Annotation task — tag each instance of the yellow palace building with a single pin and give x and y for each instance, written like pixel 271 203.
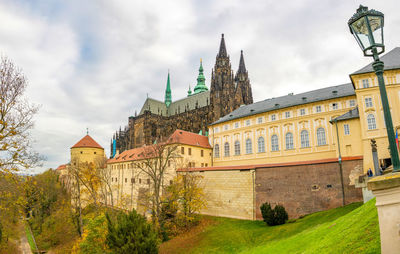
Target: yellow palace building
pixel 301 127
pixel 285 150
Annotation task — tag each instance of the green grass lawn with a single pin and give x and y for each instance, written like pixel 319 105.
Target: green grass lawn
pixel 29 237
pixel 350 229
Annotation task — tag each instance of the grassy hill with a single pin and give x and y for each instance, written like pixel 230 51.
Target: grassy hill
pixel 350 229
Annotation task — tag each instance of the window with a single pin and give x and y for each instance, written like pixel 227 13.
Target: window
pixel 287 114
pixel 148 181
pixel 289 141
pixel 226 127
pixel 273 117
pixel 216 130
pixel 335 106
pixel 321 139
pixel 236 125
pixel 132 180
pixel 206 164
pixel 201 153
pixel 126 180
pixel 237 147
pixel 304 138
pixel 94 152
pixel 248 122
pixel 81 152
pixel 216 151
pixel 352 103
pixel 261 145
pixel 371 122
pixel 368 102
pixel 259 120
pixel 365 83
pixel 302 112
pixel 249 148
pixel 169 163
pixel 190 151
pixel 202 164
pixel 226 149
pixel 182 150
pixel 274 143
pixel 318 109
pixel 112 179
pixel 346 129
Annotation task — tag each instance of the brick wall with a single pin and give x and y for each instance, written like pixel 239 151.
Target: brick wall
pixel 229 193
pixel 304 189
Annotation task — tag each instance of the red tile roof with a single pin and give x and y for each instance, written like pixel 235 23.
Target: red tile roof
pixel 188 138
pixel 87 141
pixel 178 137
pixel 270 165
pixel 63 166
pixel 132 154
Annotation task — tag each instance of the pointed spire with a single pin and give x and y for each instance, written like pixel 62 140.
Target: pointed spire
pixel 168 99
pixel 242 66
pixel 201 85
pixel 189 91
pixel 222 48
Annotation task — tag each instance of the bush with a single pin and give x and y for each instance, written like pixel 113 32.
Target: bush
pixel 276 216
pixel 131 233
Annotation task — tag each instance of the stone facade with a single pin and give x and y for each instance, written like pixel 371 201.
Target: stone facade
pixel 157 120
pixel 229 193
pixel 306 188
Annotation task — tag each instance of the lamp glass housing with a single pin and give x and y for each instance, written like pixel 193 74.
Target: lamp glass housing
pixel 367 27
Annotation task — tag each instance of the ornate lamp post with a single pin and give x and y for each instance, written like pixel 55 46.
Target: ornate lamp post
pixel 367 27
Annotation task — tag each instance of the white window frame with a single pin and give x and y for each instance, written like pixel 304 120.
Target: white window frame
pixel 305 139
pixel 261 144
pixel 321 136
pixel 249 146
pixel 371 122
pixel 274 143
pixel 368 102
pixel 237 147
pixel 318 109
pixel 346 129
pixel 302 111
pixel 289 141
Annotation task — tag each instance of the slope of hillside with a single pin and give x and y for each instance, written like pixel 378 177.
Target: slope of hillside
pixel 350 229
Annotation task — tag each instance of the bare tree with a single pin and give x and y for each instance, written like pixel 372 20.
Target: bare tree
pixel 157 159
pixel 16 120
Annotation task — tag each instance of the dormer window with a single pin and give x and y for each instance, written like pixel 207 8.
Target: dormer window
pixel 365 83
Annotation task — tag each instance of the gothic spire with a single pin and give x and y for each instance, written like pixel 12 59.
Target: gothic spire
pixel 222 48
pixel 242 66
pixel 168 98
pixel 201 85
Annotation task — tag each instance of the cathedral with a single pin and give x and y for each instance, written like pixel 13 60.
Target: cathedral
pixel 159 119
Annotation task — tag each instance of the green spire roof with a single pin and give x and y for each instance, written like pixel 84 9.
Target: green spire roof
pixel 168 98
pixel 189 91
pixel 201 85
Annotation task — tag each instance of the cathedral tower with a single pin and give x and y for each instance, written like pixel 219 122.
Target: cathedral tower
pixel 222 84
pixel 243 94
pixel 228 93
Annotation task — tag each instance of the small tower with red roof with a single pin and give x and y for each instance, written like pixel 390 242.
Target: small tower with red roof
pixel 87 150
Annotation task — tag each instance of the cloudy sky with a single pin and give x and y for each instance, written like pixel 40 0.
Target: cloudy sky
pixel 91 63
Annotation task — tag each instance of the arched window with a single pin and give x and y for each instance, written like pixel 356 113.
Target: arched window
pixel 249 148
pixel 321 138
pixel 274 143
pixel 304 138
pixel 289 141
pixel 237 147
pixel 261 145
pixel 216 151
pixel 371 122
pixel 226 149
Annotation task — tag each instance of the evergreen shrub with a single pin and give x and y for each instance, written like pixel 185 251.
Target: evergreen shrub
pixel 276 216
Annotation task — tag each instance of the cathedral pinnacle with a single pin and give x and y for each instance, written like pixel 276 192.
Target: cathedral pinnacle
pixel 189 91
pixel 201 85
pixel 222 48
pixel 242 66
pixel 168 99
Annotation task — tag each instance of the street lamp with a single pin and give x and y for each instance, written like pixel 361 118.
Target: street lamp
pixel 367 27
